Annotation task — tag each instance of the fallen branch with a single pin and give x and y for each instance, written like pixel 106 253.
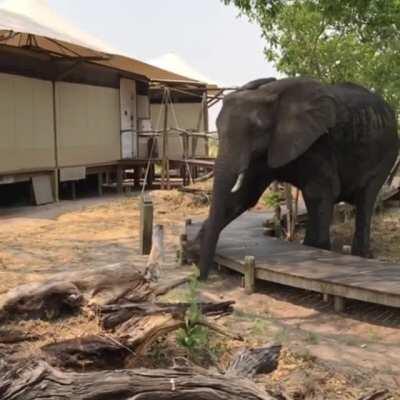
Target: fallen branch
pixel 221 331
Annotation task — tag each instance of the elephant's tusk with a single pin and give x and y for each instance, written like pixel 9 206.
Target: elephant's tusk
pixel 238 183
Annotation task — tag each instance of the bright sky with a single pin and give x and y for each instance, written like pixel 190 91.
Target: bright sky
pixel 207 34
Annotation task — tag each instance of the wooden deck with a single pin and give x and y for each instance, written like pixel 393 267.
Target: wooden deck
pixel 291 264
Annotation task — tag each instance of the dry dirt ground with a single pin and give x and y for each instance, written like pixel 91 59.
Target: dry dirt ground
pixel 325 354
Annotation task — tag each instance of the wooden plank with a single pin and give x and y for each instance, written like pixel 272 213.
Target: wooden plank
pixel 42 189
pixel 305 267
pixel 72 174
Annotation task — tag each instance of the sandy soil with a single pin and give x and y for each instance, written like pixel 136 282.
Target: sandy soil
pixel 326 355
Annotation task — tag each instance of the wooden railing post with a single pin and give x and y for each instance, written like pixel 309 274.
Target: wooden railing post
pixel 146 224
pixel 249 274
pixel 182 256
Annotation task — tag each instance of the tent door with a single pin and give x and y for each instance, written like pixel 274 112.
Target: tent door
pixel 129 139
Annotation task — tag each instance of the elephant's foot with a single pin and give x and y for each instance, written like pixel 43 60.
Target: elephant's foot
pixel 326 245
pixel 362 252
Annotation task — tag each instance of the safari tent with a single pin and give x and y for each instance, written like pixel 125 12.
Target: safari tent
pixel 71 106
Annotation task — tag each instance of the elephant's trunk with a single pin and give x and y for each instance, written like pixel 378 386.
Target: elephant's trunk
pixel 222 212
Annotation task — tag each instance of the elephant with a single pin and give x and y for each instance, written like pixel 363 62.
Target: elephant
pixel 334 142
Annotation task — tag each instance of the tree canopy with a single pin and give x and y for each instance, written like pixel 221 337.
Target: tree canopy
pixel 333 40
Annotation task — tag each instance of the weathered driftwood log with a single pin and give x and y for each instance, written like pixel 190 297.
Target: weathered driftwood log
pixel 66 292
pixel 41 381
pixel 48 300
pixel 250 362
pixel 89 352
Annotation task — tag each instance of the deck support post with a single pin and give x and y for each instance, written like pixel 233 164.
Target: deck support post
pixel 338 303
pixel 326 297
pixel 137 176
pixel 249 274
pixel 182 255
pixel 120 179
pixel 146 224
pixel 73 190
pixel 100 184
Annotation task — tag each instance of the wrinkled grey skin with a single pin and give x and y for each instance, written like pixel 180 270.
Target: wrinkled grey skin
pixel 334 142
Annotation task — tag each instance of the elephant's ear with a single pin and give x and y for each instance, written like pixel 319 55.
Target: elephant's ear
pixel 306 111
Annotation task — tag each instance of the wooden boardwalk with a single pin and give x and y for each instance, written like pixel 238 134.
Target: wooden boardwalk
pixel 291 264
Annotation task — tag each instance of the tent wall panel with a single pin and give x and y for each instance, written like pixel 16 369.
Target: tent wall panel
pixel 88 124
pixel 26 124
pixel 180 115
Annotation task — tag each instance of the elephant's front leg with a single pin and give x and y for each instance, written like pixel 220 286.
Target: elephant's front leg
pixel 319 209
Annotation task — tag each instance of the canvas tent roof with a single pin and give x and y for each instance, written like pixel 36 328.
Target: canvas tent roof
pixel 175 63
pixel 32 24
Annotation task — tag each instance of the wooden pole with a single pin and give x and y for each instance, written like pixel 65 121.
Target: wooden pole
pixel 100 184
pixel 296 211
pixel 277 213
pixel 289 213
pixel 338 303
pixel 146 224
pixel 137 174
pixel 165 161
pixel 249 274
pixel 205 122
pixel 56 184
pixel 73 190
pixel 165 141
pixel 120 179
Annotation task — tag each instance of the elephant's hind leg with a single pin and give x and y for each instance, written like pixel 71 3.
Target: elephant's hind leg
pixel 365 204
pixel 319 209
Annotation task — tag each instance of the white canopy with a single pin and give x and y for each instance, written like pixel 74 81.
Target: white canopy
pixel 36 17
pixel 32 23
pixel 175 63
